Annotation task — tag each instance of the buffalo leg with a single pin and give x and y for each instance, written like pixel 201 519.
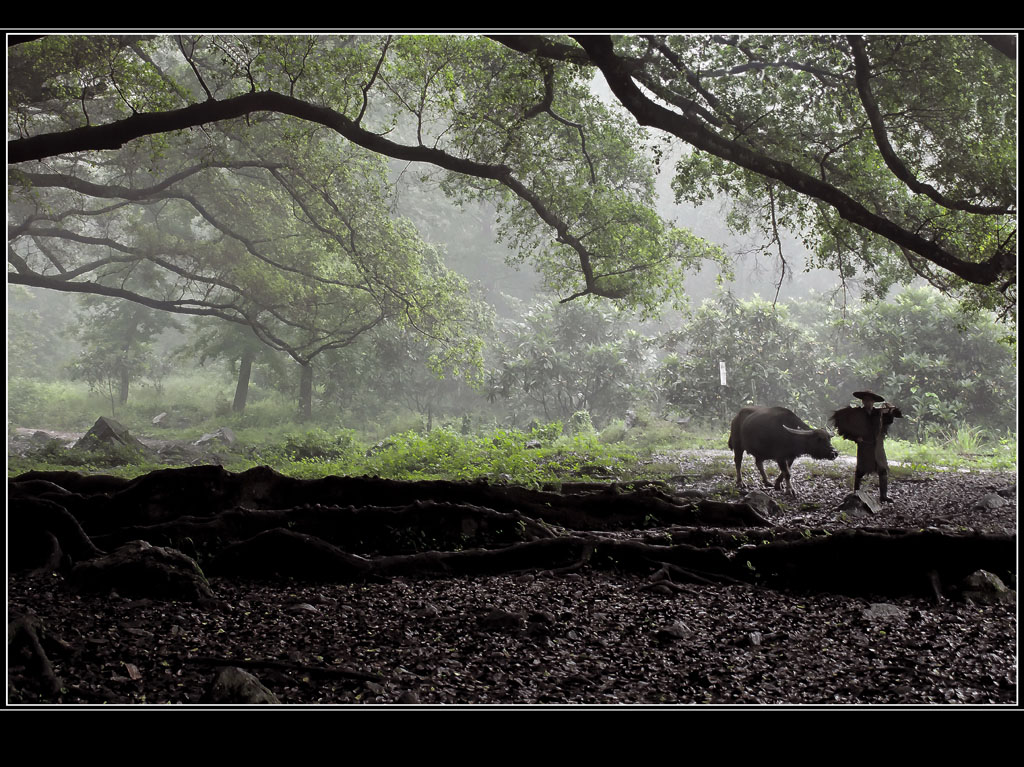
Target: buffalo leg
pixel 883 487
pixel 738 455
pixel 784 475
pixel 759 462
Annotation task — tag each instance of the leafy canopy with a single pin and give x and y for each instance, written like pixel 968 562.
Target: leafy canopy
pixel 574 193
pixel 894 155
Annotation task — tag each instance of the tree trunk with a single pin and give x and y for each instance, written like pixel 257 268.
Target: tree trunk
pixel 125 381
pixel 242 388
pixel 306 392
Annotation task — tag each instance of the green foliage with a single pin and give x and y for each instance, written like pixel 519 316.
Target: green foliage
pixel 287 225
pixel 770 360
pixel 38 344
pixel 906 457
pixel 528 457
pixel 318 444
pixel 528 135
pixel 117 341
pixel 568 358
pixel 966 439
pixel 943 369
pixel 271 225
pixel 35 404
pixel 575 161
pixel 946 105
pixel 85 459
pixel 656 434
pixel 580 424
pixel 614 432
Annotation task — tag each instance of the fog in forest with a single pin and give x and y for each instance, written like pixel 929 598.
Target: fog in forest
pixel 773 330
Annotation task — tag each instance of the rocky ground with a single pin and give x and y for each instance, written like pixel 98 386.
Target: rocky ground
pixel 580 638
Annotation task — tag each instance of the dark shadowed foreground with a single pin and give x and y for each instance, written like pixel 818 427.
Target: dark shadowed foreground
pixel 362 591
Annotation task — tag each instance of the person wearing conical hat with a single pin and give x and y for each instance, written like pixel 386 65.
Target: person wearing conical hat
pixel 867 426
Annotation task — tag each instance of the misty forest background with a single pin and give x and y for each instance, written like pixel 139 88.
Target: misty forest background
pixel 494 353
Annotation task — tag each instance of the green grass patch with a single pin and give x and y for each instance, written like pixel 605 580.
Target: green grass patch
pixel 976 451
pixel 268 435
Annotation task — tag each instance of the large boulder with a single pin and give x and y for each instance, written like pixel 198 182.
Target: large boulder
pixel 138 569
pixel 107 431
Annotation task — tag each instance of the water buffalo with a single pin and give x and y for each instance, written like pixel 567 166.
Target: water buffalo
pixel 775 433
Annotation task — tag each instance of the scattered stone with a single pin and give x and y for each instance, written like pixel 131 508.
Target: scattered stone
pixel 223 434
pixel 541 616
pixel 983 587
pixel 991 501
pixel 762 503
pixel 676 631
pixel 539 623
pixel 496 619
pixel 234 685
pixel 158 420
pixel 576 680
pixel 1010 491
pixel 427 611
pixel 859 504
pixel 882 611
pixel 302 607
pixel 409 697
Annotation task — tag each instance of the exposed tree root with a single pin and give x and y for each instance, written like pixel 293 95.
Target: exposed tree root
pixel 259 523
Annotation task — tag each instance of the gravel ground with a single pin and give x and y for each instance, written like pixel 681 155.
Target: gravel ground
pixel 586 638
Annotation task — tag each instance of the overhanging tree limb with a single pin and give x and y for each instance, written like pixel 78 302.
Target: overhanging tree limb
pixel 617 72
pixel 1005 44
pixel 116 134
pixel 885 148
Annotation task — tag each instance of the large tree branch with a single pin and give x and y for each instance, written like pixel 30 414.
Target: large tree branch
pixel 230 312
pixel 1005 44
pixel 116 134
pixel 163 191
pixel 892 160
pixel 617 73
pixel 198 308
pixel 126 193
pixel 191 278
pixel 543 47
